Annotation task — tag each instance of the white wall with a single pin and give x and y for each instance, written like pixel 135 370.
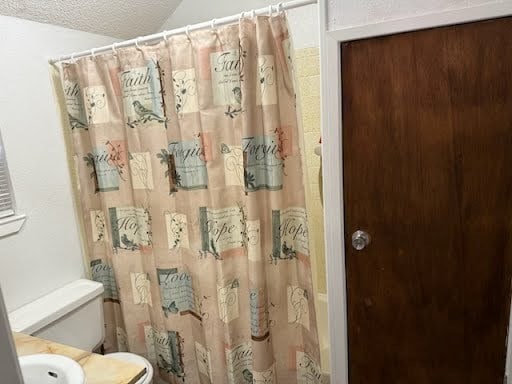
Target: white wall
pixel 350 13
pixel 46 254
pixel 303 21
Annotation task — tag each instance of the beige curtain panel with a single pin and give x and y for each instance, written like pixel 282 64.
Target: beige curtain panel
pixel 192 196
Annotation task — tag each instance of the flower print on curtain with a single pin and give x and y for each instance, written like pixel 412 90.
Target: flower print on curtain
pixel 193 203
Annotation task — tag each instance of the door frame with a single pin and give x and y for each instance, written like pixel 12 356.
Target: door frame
pixel 9 365
pixel 331 125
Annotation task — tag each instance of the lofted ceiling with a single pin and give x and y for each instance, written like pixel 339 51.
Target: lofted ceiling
pixel 122 19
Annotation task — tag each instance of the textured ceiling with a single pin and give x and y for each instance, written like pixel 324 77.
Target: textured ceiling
pixel 116 18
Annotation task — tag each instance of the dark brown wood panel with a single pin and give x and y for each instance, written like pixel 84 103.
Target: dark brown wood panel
pixel 427 151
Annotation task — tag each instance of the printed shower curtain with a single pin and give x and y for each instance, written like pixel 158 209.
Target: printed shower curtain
pixel 192 199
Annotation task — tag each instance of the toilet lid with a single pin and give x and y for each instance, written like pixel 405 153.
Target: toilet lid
pixel 136 359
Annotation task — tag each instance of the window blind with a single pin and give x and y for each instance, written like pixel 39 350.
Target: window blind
pixel 6 197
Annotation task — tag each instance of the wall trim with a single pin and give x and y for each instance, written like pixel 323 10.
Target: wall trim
pixel 431 20
pixel 331 126
pixel 330 91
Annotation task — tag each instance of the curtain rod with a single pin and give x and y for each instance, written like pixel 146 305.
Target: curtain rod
pixel 163 35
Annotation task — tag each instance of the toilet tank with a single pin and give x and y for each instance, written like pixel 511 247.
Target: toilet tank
pixel 71 315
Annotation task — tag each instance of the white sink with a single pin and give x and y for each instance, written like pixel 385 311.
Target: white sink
pixel 50 369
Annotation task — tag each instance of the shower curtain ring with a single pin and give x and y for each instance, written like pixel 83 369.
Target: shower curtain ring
pixel 253 14
pixel 93 53
pixel 137 43
pixel 165 35
pixel 213 27
pixel 280 8
pixel 114 50
pixel 187 31
pixel 270 10
pixel 242 14
pixel 72 58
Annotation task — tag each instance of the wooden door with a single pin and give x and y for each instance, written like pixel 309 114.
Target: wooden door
pixel 427 152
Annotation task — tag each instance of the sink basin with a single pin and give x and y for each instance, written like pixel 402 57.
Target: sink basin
pixel 50 369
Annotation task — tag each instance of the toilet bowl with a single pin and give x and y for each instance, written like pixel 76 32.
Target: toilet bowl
pixel 72 315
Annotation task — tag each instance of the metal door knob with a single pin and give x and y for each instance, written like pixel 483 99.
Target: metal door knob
pixel 360 239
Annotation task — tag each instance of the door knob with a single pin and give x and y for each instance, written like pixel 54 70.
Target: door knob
pixel 360 239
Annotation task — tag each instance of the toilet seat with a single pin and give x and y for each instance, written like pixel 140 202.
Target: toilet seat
pixel 136 359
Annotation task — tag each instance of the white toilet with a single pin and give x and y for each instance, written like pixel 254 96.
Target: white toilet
pixel 72 315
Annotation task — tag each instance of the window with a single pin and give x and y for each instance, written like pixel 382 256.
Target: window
pixel 10 222
pixel 6 195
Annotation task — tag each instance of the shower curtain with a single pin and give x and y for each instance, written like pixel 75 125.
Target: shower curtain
pixel 192 201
